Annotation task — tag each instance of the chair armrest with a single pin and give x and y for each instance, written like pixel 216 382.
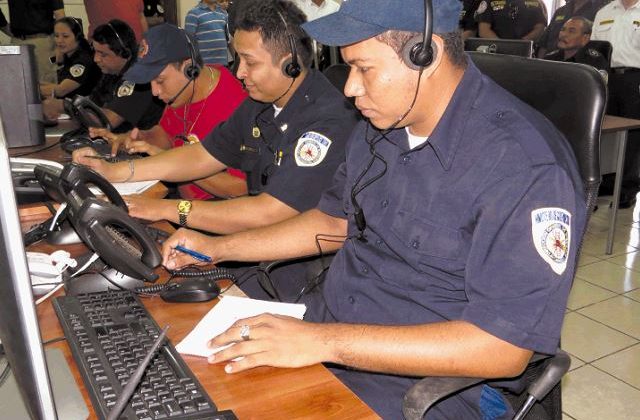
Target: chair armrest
pixel 421 396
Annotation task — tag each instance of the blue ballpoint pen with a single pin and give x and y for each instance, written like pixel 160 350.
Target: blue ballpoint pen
pixel 198 256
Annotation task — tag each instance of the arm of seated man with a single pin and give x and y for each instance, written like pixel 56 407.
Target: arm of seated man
pixel 224 185
pixel 224 216
pixel 166 166
pixel 297 236
pixel 452 348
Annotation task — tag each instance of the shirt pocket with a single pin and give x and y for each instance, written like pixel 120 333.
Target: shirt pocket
pixel 424 241
pixel 635 37
pixel 602 29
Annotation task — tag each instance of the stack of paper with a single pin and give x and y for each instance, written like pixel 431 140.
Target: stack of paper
pixel 224 314
pixel 128 188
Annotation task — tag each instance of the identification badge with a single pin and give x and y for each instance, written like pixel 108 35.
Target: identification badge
pixel 551 233
pixel 311 149
pixel 77 70
pixel 255 132
pixel 126 89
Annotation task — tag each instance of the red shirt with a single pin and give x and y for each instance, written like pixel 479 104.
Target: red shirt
pixel 100 12
pixel 205 115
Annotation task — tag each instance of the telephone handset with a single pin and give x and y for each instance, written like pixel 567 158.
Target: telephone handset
pixel 88 114
pixel 119 240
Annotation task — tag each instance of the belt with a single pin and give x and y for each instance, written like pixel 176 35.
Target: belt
pixel 30 36
pixel 623 70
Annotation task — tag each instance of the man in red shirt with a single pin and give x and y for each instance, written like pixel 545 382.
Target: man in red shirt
pixel 130 11
pixel 198 98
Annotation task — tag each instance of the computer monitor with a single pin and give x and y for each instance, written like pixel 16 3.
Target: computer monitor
pixel 20 105
pixel 517 47
pixel 19 331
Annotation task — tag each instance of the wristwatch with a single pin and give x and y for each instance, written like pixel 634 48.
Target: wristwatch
pixel 184 207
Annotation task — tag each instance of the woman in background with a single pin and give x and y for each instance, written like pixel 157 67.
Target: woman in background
pixel 77 73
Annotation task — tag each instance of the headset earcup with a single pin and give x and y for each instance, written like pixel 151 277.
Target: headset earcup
pixel 192 71
pixel 414 57
pixel 291 69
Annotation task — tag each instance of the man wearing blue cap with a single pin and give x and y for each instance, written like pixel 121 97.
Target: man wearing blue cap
pixel 460 209
pixel 198 98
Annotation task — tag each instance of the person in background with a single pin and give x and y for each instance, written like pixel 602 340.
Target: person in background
pixel 131 12
pixel 314 9
pixel 511 19
pixel 4 25
pixel 77 73
pixel 548 41
pixel 125 104
pixel 574 36
pixel 154 12
pixel 207 21
pixel 195 106
pixel 456 217
pixel 469 18
pixel 31 23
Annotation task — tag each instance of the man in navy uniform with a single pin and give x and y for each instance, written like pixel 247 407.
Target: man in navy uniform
pixel 460 209
pixel 511 19
pixel 572 45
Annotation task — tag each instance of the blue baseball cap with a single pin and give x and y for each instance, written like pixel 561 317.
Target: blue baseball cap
pixel 161 45
pixel 357 20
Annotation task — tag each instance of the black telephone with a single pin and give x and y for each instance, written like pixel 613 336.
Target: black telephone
pixel 126 249
pixel 88 114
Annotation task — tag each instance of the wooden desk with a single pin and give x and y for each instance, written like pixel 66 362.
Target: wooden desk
pixel 619 127
pixel 262 393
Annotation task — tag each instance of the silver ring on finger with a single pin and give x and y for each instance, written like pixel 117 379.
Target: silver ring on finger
pixel 245 332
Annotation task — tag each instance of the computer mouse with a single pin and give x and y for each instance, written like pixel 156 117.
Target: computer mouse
pixel 191 290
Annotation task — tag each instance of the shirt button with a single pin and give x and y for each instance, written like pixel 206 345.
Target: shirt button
pixel 406 158
pixel 365 270
pixel 384 203
pixel 499 114
pixel 379 242
pixel 352 300
pixel 415 244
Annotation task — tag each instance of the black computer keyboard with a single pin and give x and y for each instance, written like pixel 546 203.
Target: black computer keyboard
pixel 110 333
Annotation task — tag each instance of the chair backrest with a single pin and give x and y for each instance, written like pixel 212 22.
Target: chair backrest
pixel 338 74
pixel 572 96
pixel 603 47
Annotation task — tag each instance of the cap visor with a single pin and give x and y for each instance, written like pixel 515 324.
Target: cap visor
pixel 143 73
pixel 338 29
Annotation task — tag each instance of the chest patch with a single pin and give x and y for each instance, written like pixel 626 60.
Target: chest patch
pixel 126 89
pixel 77 70
pixel 551 234
pixel 311 149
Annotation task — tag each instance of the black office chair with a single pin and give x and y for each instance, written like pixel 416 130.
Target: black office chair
pixel 573 97
pixel 338 75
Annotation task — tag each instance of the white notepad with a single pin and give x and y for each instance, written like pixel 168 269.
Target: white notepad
pixel 128 188
pixel 224 314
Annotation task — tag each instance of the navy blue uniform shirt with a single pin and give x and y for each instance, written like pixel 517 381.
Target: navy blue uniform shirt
pixel 135 103
pixel 293 156
pixel 80 68
pixel 477 224
pixel 511 19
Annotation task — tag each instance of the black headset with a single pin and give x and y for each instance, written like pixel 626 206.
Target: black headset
pixel 192 71
pixel 419 53
pixel 126 52
pixel 291 67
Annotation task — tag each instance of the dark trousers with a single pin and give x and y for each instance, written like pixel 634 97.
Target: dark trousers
pixel 624 101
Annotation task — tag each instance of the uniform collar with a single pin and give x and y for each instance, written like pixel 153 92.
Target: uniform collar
pixel 447 134
pixel 301 97
pixel 617 4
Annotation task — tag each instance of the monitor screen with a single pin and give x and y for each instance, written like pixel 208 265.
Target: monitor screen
pixel 20 107
pixel 19 331
pixel 517 47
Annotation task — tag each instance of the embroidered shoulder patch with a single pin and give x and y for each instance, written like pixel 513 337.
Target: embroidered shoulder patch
pixel 551 233
pixel 77 70
pixel 311 149
pixel 126 88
